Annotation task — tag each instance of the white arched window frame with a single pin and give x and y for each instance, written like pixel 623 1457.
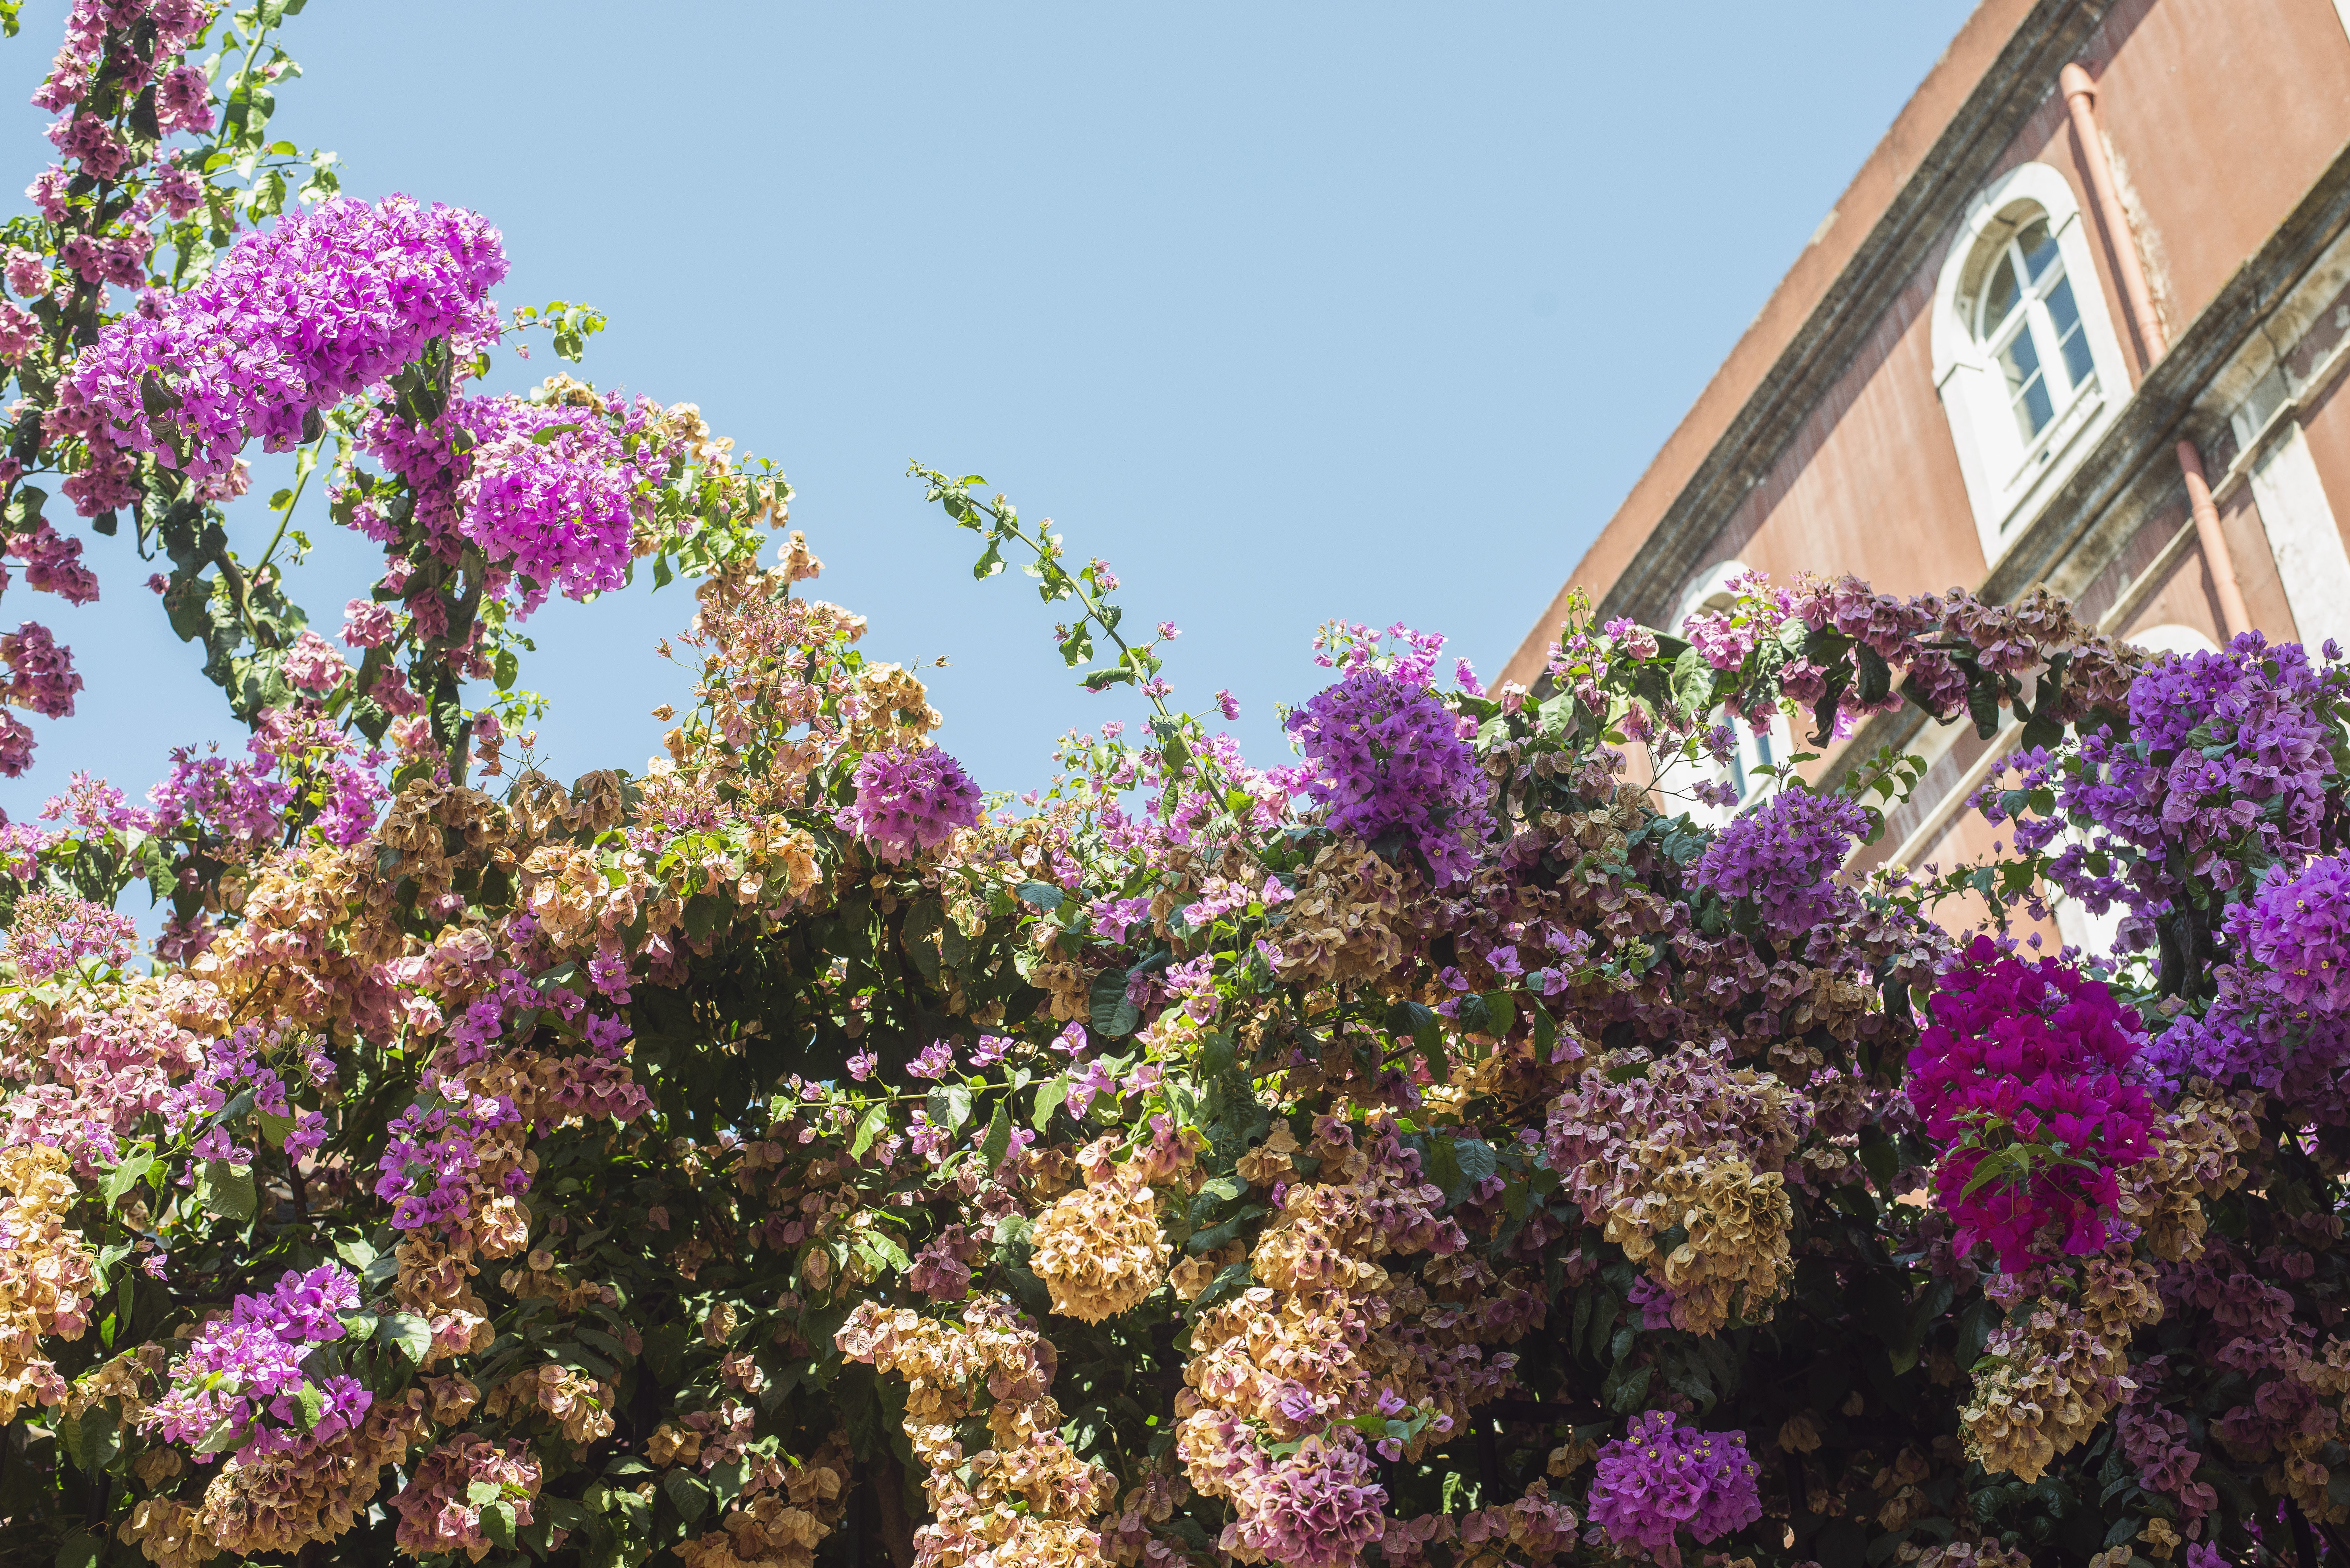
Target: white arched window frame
pixel 1772 744
pixel 2080 929
pixel 2026 388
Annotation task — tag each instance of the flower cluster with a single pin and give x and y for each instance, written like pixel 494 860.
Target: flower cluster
pixel 243 1383
pixel 2223 773
pixel 1098 1249
pixel 2059 1364
pixel 1782 858
pixel 1026 1499
pixel 1662 1477
pixel 1385 755
pixel 909 800
pixel 325 305
pixel 440 1507
pixel 48 932
pixel 45 1275
pixel 1691 1145
pixel 2019 1082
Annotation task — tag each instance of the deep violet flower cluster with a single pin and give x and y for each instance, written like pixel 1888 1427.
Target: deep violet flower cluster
pixel 2024 1063
pixel 1385 755
pixel 909 799
pixel 2225 762
pixel 290 323
pixel 1662 1477
pixel 2282 1014
pixel 242 1381
pixel 1783 855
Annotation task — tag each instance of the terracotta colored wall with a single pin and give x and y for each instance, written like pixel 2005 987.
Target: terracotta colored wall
pixel 2185 598
pixel 2326 427
pixel 1879 180
pixel 2189 89
pixel 2220 113
pixel 1871 484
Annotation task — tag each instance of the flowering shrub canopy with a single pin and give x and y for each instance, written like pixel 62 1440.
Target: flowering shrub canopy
pixel 1444 1148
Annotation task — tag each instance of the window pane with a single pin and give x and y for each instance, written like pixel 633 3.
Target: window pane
pixel 2026 386
pixel 2038 245
pixel 2020 360
pixel 1999 298
pixel 2066 315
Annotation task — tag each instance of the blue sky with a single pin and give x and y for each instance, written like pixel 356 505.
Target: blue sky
pixel 1290 312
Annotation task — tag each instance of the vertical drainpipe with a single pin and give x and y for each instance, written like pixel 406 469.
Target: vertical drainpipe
pixel 2080 96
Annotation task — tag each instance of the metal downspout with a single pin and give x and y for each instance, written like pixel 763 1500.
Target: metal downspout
pixel 2080 98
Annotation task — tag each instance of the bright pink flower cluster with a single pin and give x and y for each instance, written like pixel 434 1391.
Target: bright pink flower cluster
pixel 242 1384
pixel 1660 1478
pixel 909 799
pixel 2022 1065
pixel 40 672
pixel 289 323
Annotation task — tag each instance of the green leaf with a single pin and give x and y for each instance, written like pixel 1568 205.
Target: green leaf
pixel 79 1549
pixel 126 1176
pixel 1112 1013
pixel 1476 1157
pixel 1418 1022
pixel 408 1334
pixel 226 1191
pixel 1232 1279
pixel 498 1521
pixel 703 913
pixel 687 1492
pixel 1692 685
pixel 1545 1031
pixel 504 668
pixel 92 1440
pixel 313 1406
pixel 950 1106
pixel 998 1141
pixel 868 1128
pixel 1049 1096
pixel 1501 1013
pixel 1044 895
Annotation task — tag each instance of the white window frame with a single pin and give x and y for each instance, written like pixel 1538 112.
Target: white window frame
pixel 1775 744
pixel 2009 479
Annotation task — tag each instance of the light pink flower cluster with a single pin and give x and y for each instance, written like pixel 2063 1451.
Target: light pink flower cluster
pixel 1694 1143
pixel 1326 1338
pixel 993 1354
pixel 50 932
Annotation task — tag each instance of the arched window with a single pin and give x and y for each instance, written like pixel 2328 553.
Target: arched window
pixel 2030 324
pixel 2025 356
pixel 1767 747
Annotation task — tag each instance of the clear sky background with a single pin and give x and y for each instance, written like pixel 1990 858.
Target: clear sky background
pixel 1290 312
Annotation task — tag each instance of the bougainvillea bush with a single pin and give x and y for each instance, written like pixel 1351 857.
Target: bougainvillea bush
pixel 1462 1140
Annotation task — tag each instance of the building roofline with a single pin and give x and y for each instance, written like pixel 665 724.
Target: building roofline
pixel 1948 139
